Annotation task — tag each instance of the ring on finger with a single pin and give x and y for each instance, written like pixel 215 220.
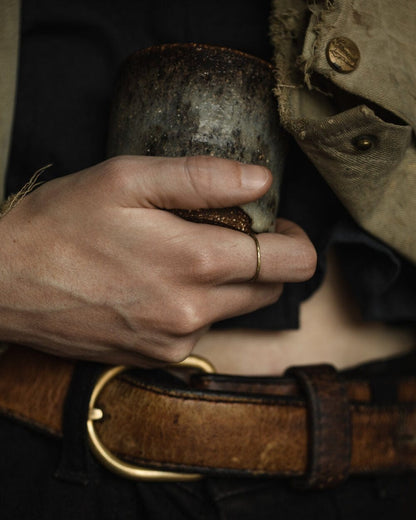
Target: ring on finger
pixel 258 252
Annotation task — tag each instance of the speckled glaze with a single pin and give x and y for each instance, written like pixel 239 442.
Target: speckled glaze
pixel 190 99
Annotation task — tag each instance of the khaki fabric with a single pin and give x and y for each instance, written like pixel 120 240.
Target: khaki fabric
pixel 9 41
pixel 326 111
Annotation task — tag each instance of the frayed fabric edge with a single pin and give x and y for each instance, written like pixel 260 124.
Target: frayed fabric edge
pixel 12 200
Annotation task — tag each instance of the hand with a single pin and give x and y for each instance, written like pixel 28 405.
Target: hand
pixel 92 268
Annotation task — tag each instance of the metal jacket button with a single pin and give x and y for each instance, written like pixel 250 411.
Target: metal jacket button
pixel 364 142
pixel 342 54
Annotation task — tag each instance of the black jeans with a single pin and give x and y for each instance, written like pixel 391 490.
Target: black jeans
pixel 42 477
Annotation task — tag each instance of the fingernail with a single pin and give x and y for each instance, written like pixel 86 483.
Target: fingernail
pixel 253 177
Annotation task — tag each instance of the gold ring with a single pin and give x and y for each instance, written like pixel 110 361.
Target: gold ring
pixel 258 266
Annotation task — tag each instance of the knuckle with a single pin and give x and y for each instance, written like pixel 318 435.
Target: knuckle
pixel 117 173
pixel 175 353
pixel 193 163
pixel 204 265
pixel 194 167
pixel 202 172
pixel 188 319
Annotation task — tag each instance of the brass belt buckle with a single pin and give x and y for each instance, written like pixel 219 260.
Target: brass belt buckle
pixel 112 462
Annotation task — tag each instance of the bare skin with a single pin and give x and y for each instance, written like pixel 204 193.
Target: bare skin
pixel 331 331
pixel 93 269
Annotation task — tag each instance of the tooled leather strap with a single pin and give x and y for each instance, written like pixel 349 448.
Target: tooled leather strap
pixel 216 432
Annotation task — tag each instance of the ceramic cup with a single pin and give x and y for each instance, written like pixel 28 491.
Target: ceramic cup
pixel 190 99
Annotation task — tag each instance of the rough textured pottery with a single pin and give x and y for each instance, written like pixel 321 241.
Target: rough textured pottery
pixel 190 99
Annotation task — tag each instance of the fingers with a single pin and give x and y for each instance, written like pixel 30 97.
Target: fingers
pixel 191 318
pixel 186 182
pixel 287 255
pixel 236 299
pixel 224 256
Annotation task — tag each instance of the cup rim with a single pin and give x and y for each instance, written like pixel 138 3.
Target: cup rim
pixel 161 48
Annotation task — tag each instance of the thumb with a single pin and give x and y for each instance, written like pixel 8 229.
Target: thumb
pixel 195 182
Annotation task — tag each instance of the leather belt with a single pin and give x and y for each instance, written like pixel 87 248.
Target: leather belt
pixel 313 425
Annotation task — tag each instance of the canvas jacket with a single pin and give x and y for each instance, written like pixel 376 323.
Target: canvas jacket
pixel 9 41
pixel 346 82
